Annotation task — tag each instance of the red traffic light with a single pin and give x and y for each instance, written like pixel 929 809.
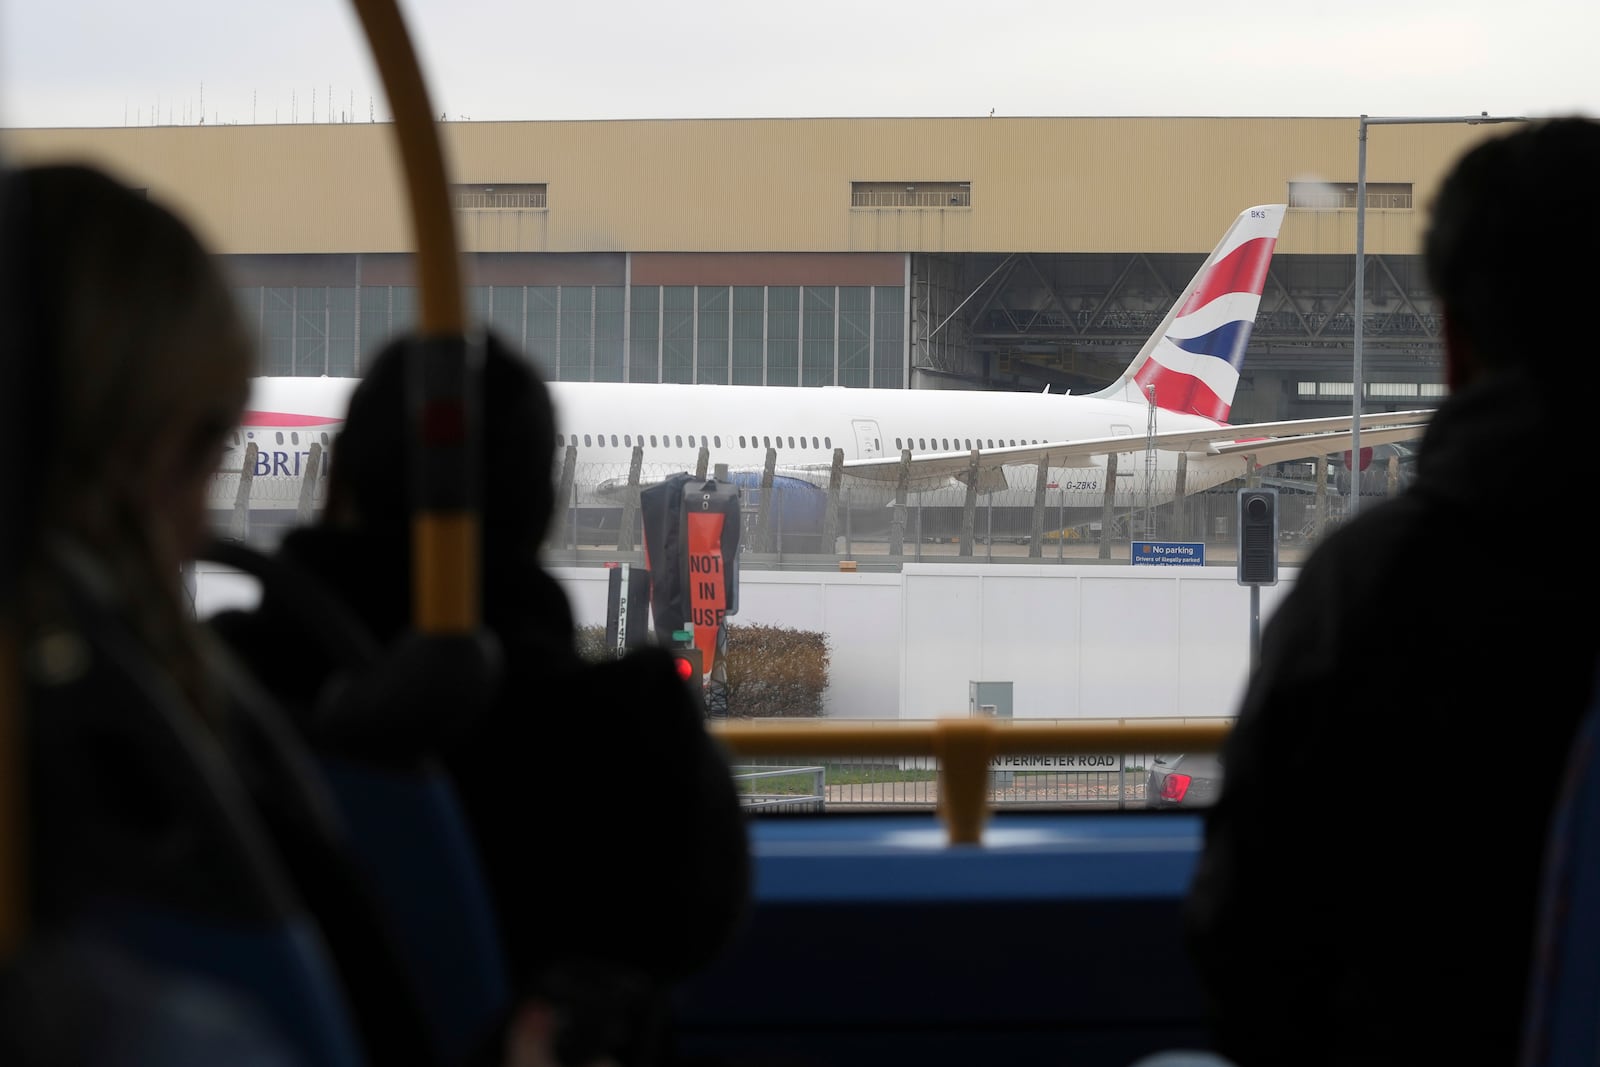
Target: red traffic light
pixel 687 661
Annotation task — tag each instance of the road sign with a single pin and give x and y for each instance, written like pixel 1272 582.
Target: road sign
pixel 1168 553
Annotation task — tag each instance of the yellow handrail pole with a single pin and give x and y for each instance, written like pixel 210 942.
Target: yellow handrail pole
pixel 964 748
pixel 444 543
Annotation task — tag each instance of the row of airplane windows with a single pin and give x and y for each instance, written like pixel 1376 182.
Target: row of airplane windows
pixel 677 441
pixel 920 444
pixel 294 438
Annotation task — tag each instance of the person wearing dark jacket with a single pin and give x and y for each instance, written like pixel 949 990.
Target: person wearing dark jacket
pixel 1367 891
pixel 154 782
pixel 606 889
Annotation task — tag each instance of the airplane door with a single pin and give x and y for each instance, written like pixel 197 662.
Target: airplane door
pixel 869 442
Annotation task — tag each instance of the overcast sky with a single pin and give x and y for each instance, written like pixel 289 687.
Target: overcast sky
pixel 132 62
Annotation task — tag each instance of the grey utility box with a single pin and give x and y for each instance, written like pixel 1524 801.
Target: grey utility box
pixel 989 698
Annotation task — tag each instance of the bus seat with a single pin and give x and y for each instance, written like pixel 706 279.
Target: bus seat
pixel 281 965
pixel 412 841
pixel 407 829
pixel 74 998
pixel 146 840
pixel 1563 1022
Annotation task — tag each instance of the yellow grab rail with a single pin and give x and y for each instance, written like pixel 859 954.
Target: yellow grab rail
pixel 445 577
pixel 442 313
pixel 964 748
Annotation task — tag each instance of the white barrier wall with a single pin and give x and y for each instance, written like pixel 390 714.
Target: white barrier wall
pixel 1078 642
pixel 1075 641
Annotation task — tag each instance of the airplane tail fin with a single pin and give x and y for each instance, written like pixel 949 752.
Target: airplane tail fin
pixel 1193 358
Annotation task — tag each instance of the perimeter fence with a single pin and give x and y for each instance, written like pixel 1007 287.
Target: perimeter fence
pixel 800 784
pixel 794 513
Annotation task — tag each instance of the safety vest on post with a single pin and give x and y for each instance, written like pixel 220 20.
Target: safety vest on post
pixel 692 544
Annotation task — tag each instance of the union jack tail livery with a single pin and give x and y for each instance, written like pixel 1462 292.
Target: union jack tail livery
pixel 1193 358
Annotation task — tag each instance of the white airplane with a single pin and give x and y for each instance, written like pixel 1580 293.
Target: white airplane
pixel 1187 371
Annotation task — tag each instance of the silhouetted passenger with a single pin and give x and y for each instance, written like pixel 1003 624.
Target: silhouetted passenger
pixel 605 815
pixel 154 782
pixel 1368 887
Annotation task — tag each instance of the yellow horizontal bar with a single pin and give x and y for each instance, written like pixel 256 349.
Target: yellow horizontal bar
pixel 1009 738
pixel 964 746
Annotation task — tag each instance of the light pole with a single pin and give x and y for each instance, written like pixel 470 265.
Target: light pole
pixel 1357 387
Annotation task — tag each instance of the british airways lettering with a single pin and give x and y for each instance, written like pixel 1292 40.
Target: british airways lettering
pixel 284 464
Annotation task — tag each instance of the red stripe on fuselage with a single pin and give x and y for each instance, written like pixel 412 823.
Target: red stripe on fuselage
pixel 1244 270
pixel 280 418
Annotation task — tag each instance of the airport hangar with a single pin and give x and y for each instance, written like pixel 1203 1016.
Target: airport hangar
pixel 1007 253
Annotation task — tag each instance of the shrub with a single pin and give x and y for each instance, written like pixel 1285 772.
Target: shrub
pixel 774 670
pixel 771 670
pixel 591 643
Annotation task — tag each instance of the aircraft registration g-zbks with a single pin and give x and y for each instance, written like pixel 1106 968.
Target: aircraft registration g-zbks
pixel 1188 371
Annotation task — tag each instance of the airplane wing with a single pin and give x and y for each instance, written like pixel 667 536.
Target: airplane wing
pixel 1269 442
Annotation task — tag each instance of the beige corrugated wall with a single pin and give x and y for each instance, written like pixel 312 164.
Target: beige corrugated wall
pixel 776 185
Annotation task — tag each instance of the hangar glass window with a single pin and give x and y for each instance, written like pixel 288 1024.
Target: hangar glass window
pixel 748 320
pixel 855 335
pixel 543 326
pixel 644 356
pixel 677 333
pixel 888 336
pixel 711 335
pixel 816 352
pixel 576 323
pixel 608 318
pixel 783 335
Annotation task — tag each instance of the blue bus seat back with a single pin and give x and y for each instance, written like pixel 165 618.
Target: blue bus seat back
pixel 405 822
pixel 1563 1021
pixel 282 966
pixel 413 843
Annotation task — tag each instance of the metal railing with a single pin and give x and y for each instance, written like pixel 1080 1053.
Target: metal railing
pixel 965 750
pixel 508 199
pixel 810 796
pixel 1344 199
pixel 914 198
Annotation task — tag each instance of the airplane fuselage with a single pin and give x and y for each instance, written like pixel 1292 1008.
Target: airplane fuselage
pixel 737 424
pixel 604 422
